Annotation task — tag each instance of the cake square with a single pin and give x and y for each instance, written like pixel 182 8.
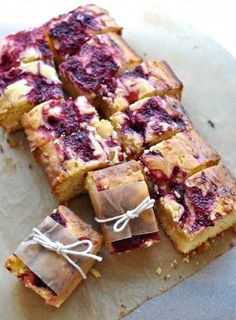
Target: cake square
pixel 48 274
pixel 149 121
pixel 68 32
pixel 114 191
pixel 150 78
pixel 24 46
pixel 54 118
pixel 172 161
pixel 24 87
pixel 67 159
pixel 99 60
pixel 199 208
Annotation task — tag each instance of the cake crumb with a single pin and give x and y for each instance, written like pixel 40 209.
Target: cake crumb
pixel 167 277
pixel 186 259
pixel 174 264
pixel 162 289
pixel 211 123
pixel 12 143
pixel 203 248
pixel 95 273
pixel 30 166
pixel 158 271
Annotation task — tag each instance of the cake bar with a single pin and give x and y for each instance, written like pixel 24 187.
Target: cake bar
pixel 68 32
pixel 150 78
pixel 115 190
pixel 99 60
pixel 24 87
pixel 172 161
pixel 24 46
pixel 54 118
pixel 199 208
pixel 48 273
pixel 149 121
pixel 67 159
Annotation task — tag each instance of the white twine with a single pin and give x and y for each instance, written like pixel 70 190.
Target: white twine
pixel 123 219
pixel 64 250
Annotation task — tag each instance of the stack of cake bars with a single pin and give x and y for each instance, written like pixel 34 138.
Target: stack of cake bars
pixel 119 108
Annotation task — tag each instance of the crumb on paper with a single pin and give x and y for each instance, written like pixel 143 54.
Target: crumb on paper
pixel 167 277
pixel 186 259
pixel 180 277
pixel 203 248
pixel 30 166
pixel 122 313
pixel 174 264
pixel 158 271
pixel 95 273
pixel 12 143
pixel 162 289
pixel 123 306
pixel 211 123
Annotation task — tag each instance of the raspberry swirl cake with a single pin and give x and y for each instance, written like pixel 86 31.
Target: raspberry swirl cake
pixel 67 159
pixel 54 118
pixel 99 60
pixel 114 191
pixel 172 161
pixel 150 78
pixel 79 230
pixel 24 46
pixel 24 87
pixel 149 121
pixel 68 32
pixel 199 208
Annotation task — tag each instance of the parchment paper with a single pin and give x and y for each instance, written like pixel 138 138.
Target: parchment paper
pixel 209 76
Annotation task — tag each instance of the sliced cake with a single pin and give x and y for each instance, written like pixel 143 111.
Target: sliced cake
pixel 68 32
pixel 114 191
pixel 172 161
pixel 149 121
pixel 24 87
pixel 150 78
pixel 99 60
pixel 67 159
pixel 48 274
pixel 199 208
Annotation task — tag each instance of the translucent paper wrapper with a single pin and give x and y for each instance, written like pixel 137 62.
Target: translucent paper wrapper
pixel 52 268
pixel 118 200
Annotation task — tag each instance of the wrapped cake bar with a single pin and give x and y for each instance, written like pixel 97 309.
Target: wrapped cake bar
pixel 199 208
pixel 67 159
pixel 24 46
pixel 54 118
pixel 150 78
pixel 149 121
pixel 116 193
pixel 68 32
pixel 172 161
pixel 24 87
pixel 48 272
pixel 99 60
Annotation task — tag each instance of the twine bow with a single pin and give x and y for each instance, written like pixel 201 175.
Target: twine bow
pixel 65 250
pixel 123 219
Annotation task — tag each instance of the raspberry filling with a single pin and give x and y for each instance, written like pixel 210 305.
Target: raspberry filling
pixel 69 37
pixel 56 216
pixel 69 119
pixel 79 142
pixel 134 242
pixel 20 42
pixel 42 89
pixel 152 110
pixel 98 70
pixel 201 204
